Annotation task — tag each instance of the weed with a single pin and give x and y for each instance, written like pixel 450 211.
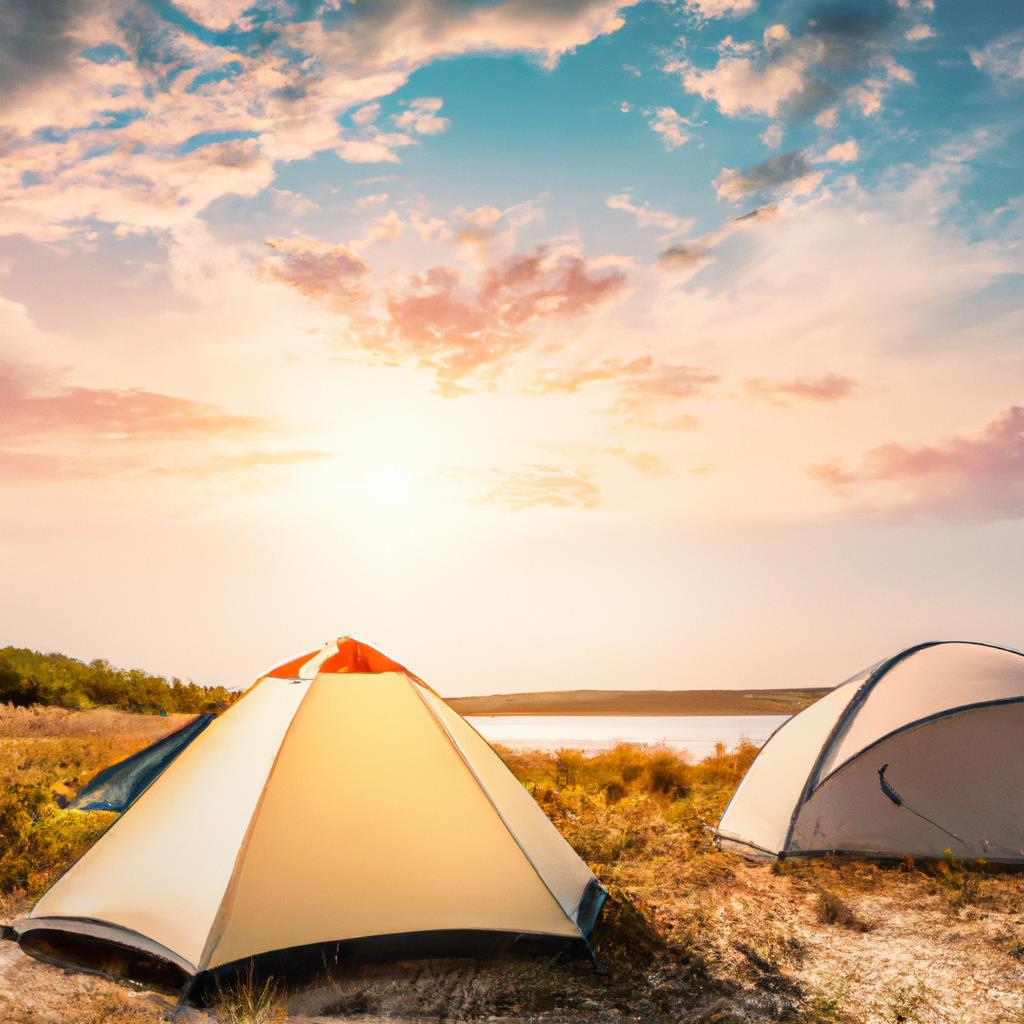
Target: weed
pixel 827 1007
pixel 962 879
pixel 249 1001
pixel 833 909
pixel 906 1003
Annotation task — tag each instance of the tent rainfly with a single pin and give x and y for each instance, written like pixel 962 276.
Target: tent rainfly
pixel 339 800
pixel 919 754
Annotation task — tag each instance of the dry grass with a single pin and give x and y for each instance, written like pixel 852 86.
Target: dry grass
pixel 689 934
pixel 833 909
pixel 250 1000
pixel 46 753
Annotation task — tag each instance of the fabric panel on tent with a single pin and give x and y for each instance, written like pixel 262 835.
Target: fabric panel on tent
pixel 760 810
pixel 964 771
pixel 104 932
pixel 162 868
pixel 558 864
pixel 117 787
pixel 927 682
pixel 411 842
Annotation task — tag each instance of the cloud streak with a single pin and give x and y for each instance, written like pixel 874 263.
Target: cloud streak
pixel 828 388
pixel 533 486
pixel 111 413
pixel 789 174
pixel 960 478
pixel 647 392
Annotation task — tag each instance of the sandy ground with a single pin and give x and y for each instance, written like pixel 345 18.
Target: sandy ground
pixel 922 959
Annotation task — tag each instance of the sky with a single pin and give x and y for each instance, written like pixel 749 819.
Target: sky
pixel 541 343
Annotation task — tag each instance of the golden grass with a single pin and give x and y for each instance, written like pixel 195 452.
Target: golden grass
pixel 44 753
pixel 687 929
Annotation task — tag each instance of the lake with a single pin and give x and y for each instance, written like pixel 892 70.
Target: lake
pixel 694 733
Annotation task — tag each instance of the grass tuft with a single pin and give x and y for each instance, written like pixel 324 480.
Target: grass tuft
pixel 250 1000
pixel 831 908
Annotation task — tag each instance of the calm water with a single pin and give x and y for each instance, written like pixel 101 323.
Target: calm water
pixel 695 733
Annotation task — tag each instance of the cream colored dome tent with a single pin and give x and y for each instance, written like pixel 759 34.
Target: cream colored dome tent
pixel 340 800
pixel 920 754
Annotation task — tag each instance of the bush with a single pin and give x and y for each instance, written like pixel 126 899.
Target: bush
pixel 668 774
pixel 39 840
pixel 569 767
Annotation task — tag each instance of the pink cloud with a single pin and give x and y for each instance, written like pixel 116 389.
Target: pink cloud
pixel 645 389
pixel 119 413
pixel 439 319
pixel 18 467
pixel 318 271
pixel 828 388
pixel 570 381
pixel 456 328
pixel 975 478
pixel 643 398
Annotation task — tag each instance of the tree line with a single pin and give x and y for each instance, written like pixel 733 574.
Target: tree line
pixel 31 677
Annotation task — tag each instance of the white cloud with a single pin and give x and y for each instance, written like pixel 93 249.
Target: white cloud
pixel 843 152
pixel 743 85
pixel 669 124
pixel 645 216
pixel 422 117
pixel 788 174
pixel 721 8
pixel 1003 58
pixel 772 136
pixel 288 96
pixel 827 118
pixel 917 33
pixel 790 75
pixel 215 14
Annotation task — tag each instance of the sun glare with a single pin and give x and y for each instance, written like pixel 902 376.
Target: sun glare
pixel 390 487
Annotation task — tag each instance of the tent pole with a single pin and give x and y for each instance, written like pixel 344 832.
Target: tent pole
pixel 599 968
pixel 183 999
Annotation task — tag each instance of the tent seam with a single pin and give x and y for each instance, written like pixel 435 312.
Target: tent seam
pixel 216 931
pixel 881 670
pixel 483 789
pixel 117 821
pixel 936 716
pixel 846 716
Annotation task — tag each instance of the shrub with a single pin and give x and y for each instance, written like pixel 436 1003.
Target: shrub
pixel 727 767
pixel 615 790
pixel 668 774
pixel 569 767
pixel 39 840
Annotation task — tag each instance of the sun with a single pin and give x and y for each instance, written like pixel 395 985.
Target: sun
pixel 390 487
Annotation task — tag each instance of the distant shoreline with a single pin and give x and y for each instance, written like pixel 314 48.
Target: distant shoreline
pixel 640 702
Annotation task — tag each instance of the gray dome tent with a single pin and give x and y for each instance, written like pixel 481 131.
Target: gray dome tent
pixel 917 755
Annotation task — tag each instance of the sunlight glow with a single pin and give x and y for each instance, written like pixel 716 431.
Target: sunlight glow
pixel 391 487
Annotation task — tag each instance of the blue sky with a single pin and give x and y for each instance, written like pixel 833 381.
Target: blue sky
pixel 590 318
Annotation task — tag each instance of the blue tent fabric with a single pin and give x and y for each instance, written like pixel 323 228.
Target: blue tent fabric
pixel 116 788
